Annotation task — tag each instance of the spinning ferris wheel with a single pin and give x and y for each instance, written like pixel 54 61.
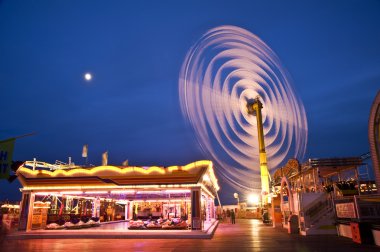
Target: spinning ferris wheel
pixel 225 72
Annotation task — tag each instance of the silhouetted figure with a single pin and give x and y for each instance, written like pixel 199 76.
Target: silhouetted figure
pixel 233 217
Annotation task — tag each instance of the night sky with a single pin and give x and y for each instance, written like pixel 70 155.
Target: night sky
pixel 135 51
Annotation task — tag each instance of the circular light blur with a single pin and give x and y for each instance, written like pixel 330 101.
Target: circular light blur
pixel 224 70
pixel 87 76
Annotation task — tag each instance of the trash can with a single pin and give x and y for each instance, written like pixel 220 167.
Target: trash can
pixel 265 217
pixel 293 227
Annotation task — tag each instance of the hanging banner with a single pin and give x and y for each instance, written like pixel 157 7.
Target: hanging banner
pixel 6 152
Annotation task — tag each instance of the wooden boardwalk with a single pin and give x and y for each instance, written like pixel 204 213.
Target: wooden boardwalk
pixel 245 235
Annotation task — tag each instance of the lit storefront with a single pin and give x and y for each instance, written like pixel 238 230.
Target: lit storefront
pixel 9 215
pixel 176 197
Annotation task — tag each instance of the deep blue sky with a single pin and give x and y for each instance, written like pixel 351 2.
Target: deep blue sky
pixel 135 51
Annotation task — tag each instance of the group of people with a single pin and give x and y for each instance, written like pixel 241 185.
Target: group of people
pixel 229 215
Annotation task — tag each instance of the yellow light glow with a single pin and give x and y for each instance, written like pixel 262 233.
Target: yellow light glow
pixel 197 164
pixel 99 169
pixel 124 170
pixel 116 189
pixel 40 204
pixel 253 199
pixel 106 170
pixel 60 187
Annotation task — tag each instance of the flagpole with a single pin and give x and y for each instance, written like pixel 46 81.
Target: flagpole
pixel 17 137
pixel 25 135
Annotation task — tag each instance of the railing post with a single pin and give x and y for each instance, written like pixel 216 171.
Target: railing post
pixel 356 207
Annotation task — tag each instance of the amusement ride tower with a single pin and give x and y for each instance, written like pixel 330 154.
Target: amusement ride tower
pixel 254 108
pixel 226 78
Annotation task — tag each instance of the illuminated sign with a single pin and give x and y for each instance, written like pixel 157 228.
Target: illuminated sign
pixel 345 210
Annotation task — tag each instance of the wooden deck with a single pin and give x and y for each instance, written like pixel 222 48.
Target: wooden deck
pixel 245 235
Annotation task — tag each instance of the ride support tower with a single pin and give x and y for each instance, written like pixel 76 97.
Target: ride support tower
pixel 254 108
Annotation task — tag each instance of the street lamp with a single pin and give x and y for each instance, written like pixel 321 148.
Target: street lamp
pixel 236 196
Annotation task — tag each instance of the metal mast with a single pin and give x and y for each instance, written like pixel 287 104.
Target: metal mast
pixel 254 108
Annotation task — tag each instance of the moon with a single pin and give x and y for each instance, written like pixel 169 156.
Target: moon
pixel 88 76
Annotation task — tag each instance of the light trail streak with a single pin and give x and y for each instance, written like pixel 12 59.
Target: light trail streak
pixel 224 69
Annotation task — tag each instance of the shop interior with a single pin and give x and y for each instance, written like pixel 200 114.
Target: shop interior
pixel 142 209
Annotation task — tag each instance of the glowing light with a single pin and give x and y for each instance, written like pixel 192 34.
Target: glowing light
pixel 40 204
pixel 10 206
pixel 96 192
pixel 63 187
pixel 123 192
pixel 46 193
pixel 108 170
pixel 149 192
pixel 72 192
pixel 43 203
pixel 125 170
pixel 225 68
pixel 253 199
pixel 270 199
pixel 206 178
pixel 94 171
pixel 88 76
pixel 163 200
pixel 122 202
pixel 177 191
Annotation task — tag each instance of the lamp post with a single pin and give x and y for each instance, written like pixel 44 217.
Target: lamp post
pixel 236 196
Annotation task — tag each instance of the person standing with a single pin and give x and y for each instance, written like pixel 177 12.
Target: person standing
pixel 228 215
pixel 233 217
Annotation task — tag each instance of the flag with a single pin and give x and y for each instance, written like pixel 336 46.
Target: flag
pixel 6 152
pixel 85 150
pixel 105 158
pixel 125 163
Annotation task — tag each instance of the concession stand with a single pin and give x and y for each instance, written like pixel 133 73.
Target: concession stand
pixel 72 197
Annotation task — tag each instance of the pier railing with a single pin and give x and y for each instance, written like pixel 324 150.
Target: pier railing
pixel 359 208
